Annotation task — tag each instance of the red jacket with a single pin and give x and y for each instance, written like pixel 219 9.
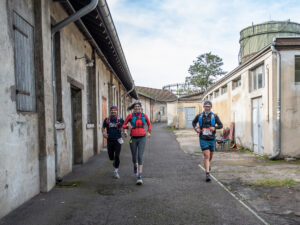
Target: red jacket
pixel 139 131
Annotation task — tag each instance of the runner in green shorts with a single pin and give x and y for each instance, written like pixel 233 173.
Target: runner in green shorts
pixel 207 121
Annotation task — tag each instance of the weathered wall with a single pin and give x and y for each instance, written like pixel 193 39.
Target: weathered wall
pixel 19 162
pixel 176 112
pixel 72 44
pixel 160 111
pixel 172 113
pixel 181 113
pixel 290 105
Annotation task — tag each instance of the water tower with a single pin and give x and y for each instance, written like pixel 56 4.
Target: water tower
pixel 256 37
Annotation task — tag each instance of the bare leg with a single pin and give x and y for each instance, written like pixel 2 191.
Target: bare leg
pixel 211 156
pixel 206 154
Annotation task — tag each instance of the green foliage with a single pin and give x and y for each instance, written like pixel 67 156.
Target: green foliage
pixel 273 182
pixel 205 70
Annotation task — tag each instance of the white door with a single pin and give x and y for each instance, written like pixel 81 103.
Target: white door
pixel 257 132
pixel 189 116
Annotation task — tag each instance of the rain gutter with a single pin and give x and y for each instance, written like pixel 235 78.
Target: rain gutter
pixel 106 16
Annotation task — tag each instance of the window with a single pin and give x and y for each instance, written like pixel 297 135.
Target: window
pixel 257 78
pixel 297 68
pixel 211 96
pixel 89 93
pixel 236 83
pixel 224 89
pixel 217 93
pixel 24 64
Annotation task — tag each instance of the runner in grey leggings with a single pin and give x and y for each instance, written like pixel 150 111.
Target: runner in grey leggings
pixel 138 120
pixel 137 146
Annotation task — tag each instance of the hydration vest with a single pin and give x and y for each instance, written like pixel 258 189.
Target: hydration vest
pixel 135 118
pixel 117 123
pixel 212 119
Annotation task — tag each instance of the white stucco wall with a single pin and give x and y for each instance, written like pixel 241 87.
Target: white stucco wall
pixel 19 163
pixel 290 105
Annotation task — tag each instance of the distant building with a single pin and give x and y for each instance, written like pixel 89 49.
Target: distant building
pixel 182 112
pixel 155 102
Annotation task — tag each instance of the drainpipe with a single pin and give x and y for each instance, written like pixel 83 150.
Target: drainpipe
pixel 128 92
pixel 278 122
pixel 76 16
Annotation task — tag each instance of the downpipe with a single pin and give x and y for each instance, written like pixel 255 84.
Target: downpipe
pixel 76 16
pixel 278 122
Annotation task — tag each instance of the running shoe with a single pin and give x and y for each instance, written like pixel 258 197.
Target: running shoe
pixel 208 179
pixel 116 175
pixel 139 180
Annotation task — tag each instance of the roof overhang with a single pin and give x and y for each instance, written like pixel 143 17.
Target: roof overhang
pixel 100 32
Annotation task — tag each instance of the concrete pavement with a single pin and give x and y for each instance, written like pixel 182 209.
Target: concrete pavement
pixel 174 192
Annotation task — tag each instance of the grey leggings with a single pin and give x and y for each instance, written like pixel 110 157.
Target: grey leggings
pixel 137 146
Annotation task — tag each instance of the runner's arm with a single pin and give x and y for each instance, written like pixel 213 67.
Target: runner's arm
pixel 195 121
pixel 148 123
pixel 104 128
pixel 219 123
pixel 129 117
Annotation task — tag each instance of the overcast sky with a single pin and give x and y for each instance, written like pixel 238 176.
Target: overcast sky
pixel 161 38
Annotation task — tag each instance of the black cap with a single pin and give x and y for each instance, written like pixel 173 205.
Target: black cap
pixel 207 103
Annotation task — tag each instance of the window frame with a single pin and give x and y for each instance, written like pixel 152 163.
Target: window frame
pixel 224 87
pixel 295 77
pixel 254 79
pixel 237 82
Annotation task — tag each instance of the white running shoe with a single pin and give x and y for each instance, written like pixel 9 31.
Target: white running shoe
pixel 116 175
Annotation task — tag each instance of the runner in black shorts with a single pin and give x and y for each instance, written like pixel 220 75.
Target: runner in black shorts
pixel 207 121
pixel 112 131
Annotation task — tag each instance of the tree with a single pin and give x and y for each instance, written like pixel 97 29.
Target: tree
pixel 205 70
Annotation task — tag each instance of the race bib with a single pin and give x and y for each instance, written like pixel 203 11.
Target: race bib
pixel 206 131
pixel 112 125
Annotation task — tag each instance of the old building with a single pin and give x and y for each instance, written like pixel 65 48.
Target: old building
pixel 261 96
pixel 155 102
pixel 61 69
pixel 182 112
